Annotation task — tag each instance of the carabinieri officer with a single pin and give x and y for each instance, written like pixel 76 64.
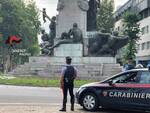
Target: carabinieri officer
pixel 68 74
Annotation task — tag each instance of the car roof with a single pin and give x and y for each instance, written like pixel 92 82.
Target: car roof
pixel 138 69
pixel 134 70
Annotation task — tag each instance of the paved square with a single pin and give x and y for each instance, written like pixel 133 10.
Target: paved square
pixel 20 108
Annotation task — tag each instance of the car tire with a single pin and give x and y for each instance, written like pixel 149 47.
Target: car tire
pixel 90 102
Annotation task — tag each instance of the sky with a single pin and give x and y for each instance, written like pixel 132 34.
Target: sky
pixel 119 3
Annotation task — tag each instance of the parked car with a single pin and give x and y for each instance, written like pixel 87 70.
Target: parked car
pixel 129 90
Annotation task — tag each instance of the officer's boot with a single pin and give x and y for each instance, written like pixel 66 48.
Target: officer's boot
pixel 72 107
pixel 64 107
pixel 72 103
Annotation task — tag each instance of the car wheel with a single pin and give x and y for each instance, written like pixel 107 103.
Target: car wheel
pixel 90 102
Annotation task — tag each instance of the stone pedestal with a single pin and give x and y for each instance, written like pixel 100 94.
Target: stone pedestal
pixel 75 60
pixel 75 50
pixel 95 68
pixel 69 14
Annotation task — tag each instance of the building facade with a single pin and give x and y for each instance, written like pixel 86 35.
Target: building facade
pixel 141 7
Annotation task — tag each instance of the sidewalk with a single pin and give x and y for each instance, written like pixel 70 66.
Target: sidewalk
pixel 30 108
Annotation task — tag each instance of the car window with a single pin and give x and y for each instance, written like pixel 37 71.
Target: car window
pixel 145 78
pixel 130 77
pixel 121 78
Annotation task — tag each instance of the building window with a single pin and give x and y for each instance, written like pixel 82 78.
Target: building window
pixel 118 28
pixel 144 13
pixel 149 12
pixel 143 46
pixel 137 1
pixel 148 45
pixel 145 30
pixel 138 47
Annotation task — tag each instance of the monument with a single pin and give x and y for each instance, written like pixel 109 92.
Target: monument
pixel 93 53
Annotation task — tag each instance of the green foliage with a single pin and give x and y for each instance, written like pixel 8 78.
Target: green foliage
pixel 132 30
pixel 20 19
pixel 105 20
pixel 37 81
pixel 34 50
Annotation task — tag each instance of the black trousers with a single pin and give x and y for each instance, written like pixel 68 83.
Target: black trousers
pixel 70 87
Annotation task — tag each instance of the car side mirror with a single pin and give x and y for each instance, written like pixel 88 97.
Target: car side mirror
pixel 111 82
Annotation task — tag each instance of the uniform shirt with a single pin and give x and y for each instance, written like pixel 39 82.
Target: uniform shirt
pixel 64 69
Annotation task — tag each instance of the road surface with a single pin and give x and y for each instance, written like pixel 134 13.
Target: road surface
pixel 23 94
pixel 22 99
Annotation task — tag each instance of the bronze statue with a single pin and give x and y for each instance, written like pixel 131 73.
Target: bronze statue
pixel 104 44
pixel 44 14
pixel 44 36
pixel 92 15
pixel 46 43
pixel 52 25
pixel 74 36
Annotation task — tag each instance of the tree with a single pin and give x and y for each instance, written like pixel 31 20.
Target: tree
pixel 132 30
pixel 20 19
pixel 105 20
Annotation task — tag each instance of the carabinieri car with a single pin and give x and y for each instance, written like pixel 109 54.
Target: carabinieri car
pixel 128 90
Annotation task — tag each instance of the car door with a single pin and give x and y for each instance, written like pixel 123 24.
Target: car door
pixel 120 93
pixel 143 89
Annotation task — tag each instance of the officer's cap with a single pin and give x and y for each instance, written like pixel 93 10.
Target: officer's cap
pixel 75 25
pixel 68 58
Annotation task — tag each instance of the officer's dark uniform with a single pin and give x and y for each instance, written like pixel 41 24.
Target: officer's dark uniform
pixel 69 73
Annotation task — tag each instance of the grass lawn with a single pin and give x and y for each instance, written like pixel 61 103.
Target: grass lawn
pixel 36 81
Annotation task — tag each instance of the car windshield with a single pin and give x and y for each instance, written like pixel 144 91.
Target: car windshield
pixel 126 77
pixel 110 78
pixel 145 77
